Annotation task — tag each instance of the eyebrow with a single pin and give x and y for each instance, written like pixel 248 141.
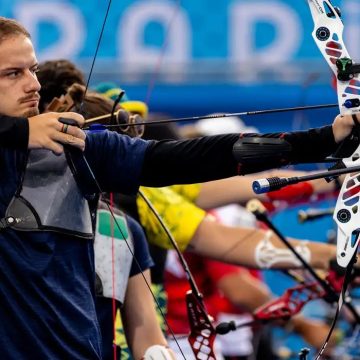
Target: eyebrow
pixel 17 68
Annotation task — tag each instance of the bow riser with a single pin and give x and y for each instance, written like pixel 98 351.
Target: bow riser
pixel 290 303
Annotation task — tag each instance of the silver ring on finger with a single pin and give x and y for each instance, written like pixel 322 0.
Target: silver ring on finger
pixel 65 128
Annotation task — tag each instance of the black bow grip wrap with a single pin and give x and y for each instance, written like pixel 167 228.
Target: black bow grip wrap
pixel 79 166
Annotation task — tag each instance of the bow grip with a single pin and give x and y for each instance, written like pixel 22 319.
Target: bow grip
pixel 79 167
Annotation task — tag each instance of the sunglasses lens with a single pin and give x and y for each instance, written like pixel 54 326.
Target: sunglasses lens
pixel 122 118
pixel 139 126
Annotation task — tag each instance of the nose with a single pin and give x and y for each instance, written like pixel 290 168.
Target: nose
pixel 32 83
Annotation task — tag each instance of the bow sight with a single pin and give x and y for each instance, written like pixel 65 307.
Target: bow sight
pixel 347 70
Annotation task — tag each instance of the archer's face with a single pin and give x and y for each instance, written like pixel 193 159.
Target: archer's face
pixel 18 82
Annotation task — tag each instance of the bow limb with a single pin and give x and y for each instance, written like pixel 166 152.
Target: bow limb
pixel 202 331
pixel 347 217
pixel 328 36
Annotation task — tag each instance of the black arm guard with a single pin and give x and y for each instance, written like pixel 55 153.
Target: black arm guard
pixel 259 153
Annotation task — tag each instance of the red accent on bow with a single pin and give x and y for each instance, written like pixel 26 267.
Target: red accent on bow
pixel 202 332
pixel 335 280
pixel 290 303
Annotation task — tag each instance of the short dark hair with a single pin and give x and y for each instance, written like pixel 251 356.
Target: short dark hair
pixel 55 77
pixel 11 27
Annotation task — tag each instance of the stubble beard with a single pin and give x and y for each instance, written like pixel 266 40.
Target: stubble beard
pixel 31 112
